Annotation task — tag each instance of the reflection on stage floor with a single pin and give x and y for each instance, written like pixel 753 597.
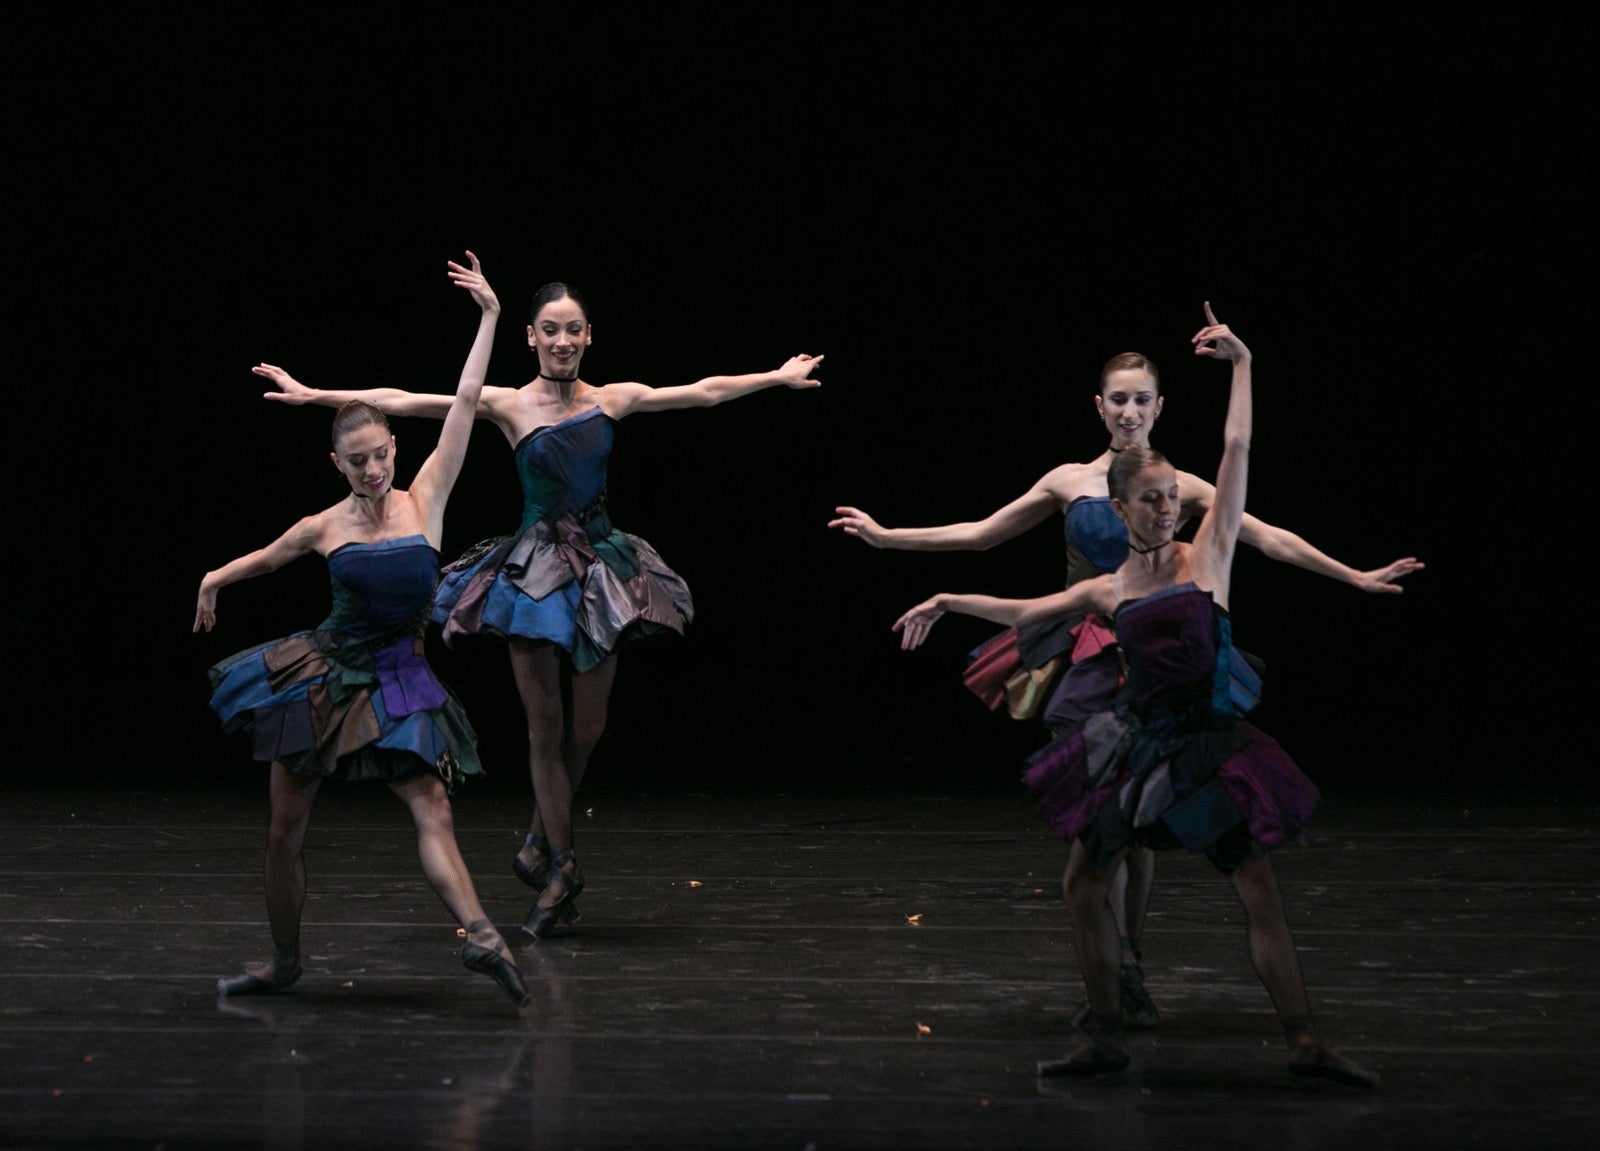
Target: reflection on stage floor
pixel 780 967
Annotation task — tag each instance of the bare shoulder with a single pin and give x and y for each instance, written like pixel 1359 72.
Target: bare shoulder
pixel 516 411
pixel 1101 591
pixel 312 532
pixel 1193 490
pixel 617 399
pixel 593 394
pixel 496 400
pixel 1067 482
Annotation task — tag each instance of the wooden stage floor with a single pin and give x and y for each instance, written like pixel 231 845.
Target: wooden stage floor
pixel 780 967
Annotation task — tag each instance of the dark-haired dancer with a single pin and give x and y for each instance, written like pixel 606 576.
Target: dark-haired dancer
pixel 567 589
pixel 1067 670
pixel 355 698
pixel 1174 764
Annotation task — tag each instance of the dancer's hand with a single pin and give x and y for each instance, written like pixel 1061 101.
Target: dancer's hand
pixel 472 279
pixel 1217 340
pixel 916 623
pixel 855 522
pixel 796 371
pixel 205 612
pixel 1382 579
pixel 290 390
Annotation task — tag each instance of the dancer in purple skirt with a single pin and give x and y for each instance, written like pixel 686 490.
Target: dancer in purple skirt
pixel 1065 670
pixel 1172 764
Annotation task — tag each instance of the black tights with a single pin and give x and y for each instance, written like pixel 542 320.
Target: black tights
pixel 1272 949
pixel 424 796
pixel 566 716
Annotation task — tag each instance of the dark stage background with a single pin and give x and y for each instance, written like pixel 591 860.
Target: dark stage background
pixel 967 212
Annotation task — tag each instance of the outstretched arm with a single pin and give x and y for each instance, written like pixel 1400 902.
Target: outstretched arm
pixel 439 471
pixel 1022 513
pixel 618 400
pixel 1285 546
pixel 291 545
pixel 390 401
pixel 1083 596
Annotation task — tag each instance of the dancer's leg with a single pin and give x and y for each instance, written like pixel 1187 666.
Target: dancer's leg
pixel 1094 926
pixel 1277 964
pixel 440 855
pixel 1117 895
pixel 437 850
pixel 566 716
pixel 1099 1046
pixel 586 721
pixel 1138 874
pixel 562 735
pixel 290 799
pixel 1128 894
pixel 583 721
pixel 1272 949
pixel 536 669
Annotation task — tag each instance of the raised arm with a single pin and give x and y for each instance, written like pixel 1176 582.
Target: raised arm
pixel 1091 594
pixel 291 545
pixel 618 400
pixel 438 473
pixel 1218 532
pixel 1026 511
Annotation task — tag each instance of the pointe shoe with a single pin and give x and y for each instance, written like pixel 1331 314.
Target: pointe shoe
pixel 266 979
pixel 1138 1009
pixel 1097 1048
pixel 544 918
pixel 535 875
pixel 1312 1057
pixel 489 961
pixel 566 918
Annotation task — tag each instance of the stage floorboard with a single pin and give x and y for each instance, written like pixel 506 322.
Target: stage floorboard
pixel 781 967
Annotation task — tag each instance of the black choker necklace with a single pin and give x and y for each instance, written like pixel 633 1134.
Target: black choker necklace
pixel 559 379
pixel 1147 551
pixel 1113 449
